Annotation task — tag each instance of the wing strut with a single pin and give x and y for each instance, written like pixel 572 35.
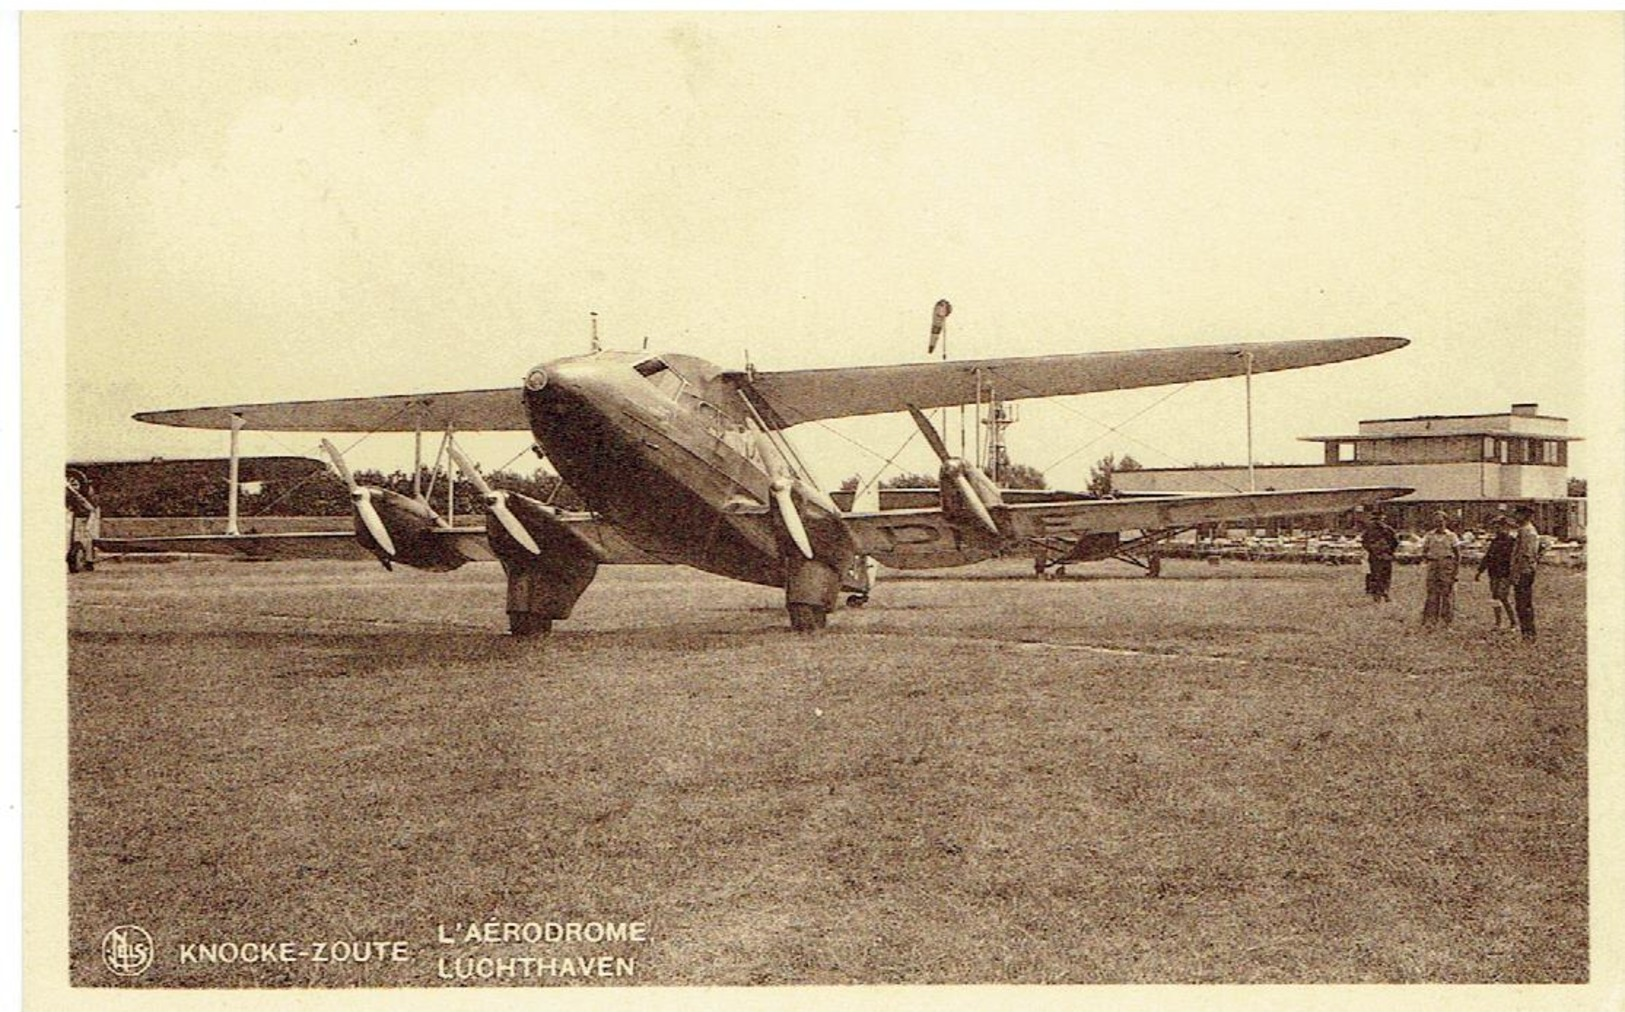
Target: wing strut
pixel 231 488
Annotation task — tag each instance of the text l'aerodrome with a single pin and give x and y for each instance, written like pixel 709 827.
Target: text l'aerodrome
pixel 510 967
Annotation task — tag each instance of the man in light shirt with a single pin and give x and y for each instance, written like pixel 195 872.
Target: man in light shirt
pixel 1525 560
pixel 1442 554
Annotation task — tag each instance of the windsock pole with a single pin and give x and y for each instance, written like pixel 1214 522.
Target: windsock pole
pixel 939 332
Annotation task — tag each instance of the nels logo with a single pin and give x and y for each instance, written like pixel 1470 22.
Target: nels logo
pixel 127 950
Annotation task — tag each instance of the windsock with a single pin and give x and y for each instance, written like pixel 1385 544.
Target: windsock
pixel 939 322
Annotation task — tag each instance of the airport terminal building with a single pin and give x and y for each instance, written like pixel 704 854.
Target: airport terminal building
pixel 1468 465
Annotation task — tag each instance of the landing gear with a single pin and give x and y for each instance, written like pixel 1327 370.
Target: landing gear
pixel 528 623
pixel 857 600
pixel 807 617
pixel 811 589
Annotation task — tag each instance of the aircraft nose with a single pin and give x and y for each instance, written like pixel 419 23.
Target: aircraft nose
pixel 560 387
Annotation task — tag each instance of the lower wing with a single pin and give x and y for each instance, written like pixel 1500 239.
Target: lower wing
pixel 923 538
pixel 470 544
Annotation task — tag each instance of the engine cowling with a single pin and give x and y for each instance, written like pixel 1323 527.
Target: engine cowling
pixel 969 499
pixel 401 529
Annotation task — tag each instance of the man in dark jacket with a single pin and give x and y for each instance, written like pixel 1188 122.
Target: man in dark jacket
pixel 1525 560
pixel 1380 542
pixel 1497 561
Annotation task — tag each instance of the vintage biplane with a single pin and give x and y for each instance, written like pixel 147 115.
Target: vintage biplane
pixel 681 461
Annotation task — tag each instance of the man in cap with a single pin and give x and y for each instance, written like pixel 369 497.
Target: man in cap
pixel 1380 542
pixel 1442 553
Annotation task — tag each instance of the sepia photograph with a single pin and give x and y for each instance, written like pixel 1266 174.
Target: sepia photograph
pixel 674 505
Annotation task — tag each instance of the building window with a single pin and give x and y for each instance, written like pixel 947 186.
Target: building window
pixel 1489 448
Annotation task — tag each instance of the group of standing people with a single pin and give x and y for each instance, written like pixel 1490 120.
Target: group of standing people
pixel 1511 560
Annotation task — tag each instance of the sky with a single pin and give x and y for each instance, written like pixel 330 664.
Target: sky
pixel 260 208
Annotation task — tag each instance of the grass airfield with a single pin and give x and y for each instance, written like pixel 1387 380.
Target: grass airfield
pixel 1242 774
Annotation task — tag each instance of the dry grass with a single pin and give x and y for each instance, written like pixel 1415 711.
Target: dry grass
pixel 1243 774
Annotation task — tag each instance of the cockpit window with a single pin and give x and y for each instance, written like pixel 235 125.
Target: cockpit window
pixel 660 374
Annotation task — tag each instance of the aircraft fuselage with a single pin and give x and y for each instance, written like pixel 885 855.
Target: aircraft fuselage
pixel 667 449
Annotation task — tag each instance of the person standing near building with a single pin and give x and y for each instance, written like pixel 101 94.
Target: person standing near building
pixel 1380 542
pixel 1525 560
pixel 1497 561
pixel 1442 553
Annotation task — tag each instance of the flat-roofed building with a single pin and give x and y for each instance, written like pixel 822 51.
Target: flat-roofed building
pixel 1471 466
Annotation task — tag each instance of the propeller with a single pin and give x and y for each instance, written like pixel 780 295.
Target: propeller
pixel 786 505
pixel 361 495
pixel 956 470
pixel 496 501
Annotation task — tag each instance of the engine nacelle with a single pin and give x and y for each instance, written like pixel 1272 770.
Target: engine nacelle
pixel 544 583
pixel 969 498
pixel 401 529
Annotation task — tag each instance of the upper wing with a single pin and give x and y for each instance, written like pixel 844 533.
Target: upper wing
pixel 470 542
pixel 789 398
pixel 922 538
pixel 463 410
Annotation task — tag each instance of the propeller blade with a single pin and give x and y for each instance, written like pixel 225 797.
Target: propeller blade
pixel 497 502
pixel 362 498
pixel 792 520
pixel 469 471
pixel 339 464
pixel 974 502
pixel 374 523
pixel 930 432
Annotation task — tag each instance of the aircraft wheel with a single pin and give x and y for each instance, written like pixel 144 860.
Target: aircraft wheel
pixel 807 617
pixel 1153 567
pixel 857 600
pixel 78 559
pixel 528 623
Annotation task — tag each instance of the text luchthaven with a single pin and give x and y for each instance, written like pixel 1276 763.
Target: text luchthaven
pixel 537 933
